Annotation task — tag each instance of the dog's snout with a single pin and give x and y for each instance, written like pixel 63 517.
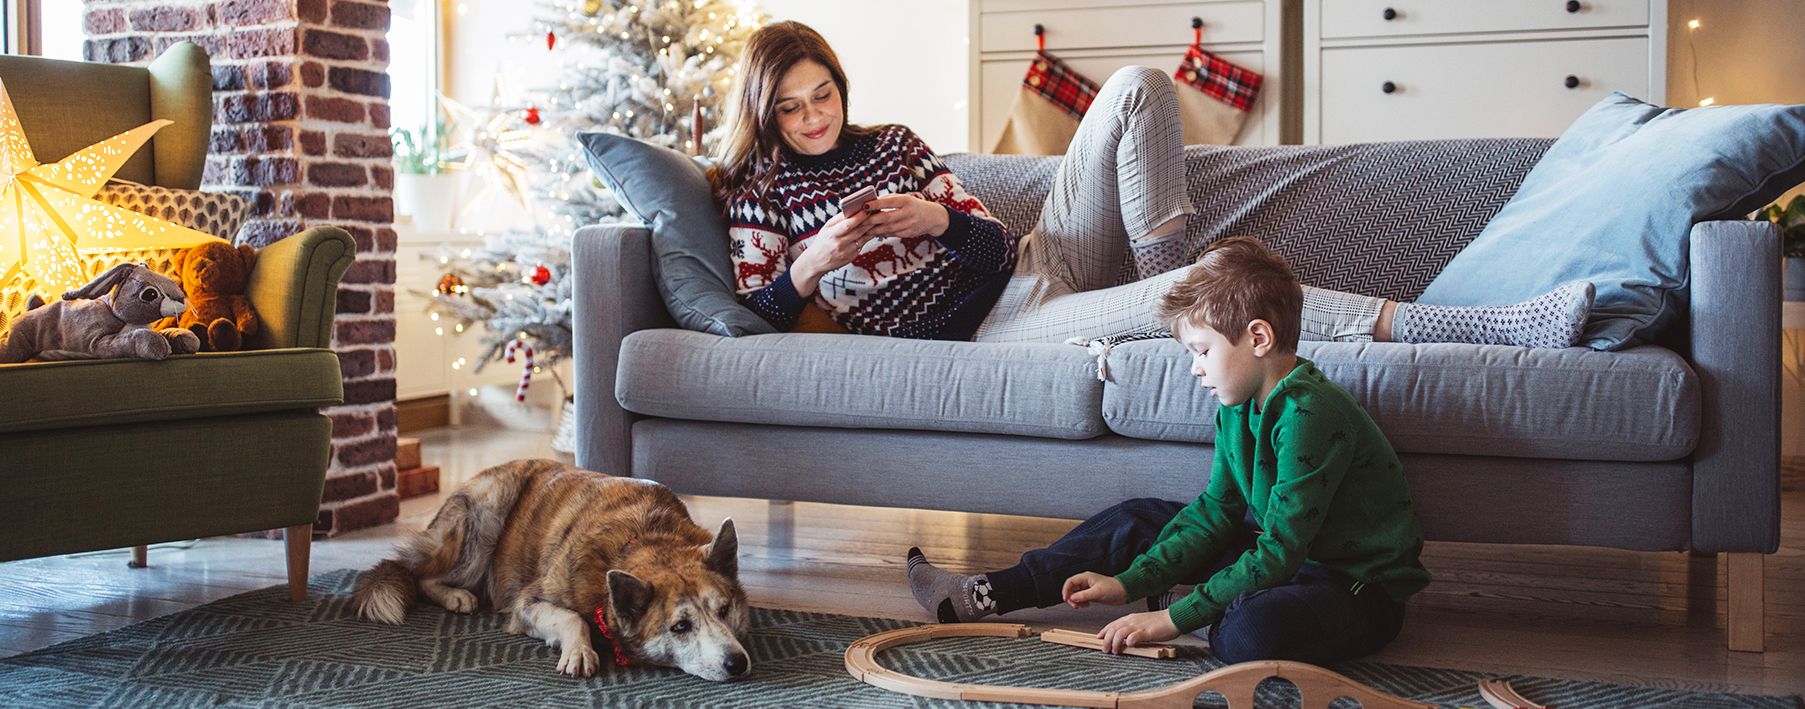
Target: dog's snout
pixel 736 664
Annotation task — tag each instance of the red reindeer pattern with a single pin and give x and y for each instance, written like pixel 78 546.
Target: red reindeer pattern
pixel 911 243
pixel 951 198
pixel 766 270
pixel 872 261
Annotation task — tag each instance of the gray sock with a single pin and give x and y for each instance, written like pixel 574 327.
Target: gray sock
pixel 1553 319
pixel 1162 601
pixel 952 598
pixel 1154 255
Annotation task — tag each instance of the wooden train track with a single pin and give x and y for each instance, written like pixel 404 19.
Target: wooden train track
pixel 1236 683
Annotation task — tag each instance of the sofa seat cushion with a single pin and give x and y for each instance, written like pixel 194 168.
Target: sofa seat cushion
pixel 101 392
pixel 852 381
pixel 1640 404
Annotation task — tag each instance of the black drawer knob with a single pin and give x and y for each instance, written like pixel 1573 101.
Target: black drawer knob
pixel 1573 6
pixel 1390 14
pixel 1388 87
pixel 1572 81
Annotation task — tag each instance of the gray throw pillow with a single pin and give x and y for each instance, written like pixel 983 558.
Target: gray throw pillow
pixel 1613 202
pixel 668 192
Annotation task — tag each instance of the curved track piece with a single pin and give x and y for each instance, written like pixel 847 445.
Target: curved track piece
pixel 1236 683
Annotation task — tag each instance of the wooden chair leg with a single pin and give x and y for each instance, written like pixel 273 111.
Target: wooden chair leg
pixel 140 557
pixel 1745 624
pixel 300 542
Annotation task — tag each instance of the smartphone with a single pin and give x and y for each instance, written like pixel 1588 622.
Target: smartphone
pixel 852 203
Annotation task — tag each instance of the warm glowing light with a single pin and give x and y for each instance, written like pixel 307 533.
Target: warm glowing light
pixel 1707 101
pixel 1693 24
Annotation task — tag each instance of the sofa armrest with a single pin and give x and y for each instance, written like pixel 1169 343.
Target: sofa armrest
pixel 294 287
pixel 615 295
pixel 1735 347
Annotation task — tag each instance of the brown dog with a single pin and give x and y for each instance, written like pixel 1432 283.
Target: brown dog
pixel 568 552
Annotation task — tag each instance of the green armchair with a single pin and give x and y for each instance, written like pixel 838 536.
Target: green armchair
pixel 98 454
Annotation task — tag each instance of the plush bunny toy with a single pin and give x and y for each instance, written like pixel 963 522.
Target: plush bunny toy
pixel 103 324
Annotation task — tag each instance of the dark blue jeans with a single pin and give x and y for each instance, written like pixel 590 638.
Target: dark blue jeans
pixel 1318 617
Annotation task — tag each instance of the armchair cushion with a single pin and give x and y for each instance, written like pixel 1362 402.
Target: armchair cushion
pixel 78 393
pixel 216 213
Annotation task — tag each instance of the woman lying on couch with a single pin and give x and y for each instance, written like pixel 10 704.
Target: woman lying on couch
pixel 926 260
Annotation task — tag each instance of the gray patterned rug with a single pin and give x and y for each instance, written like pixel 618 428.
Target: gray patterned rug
pixel 258 649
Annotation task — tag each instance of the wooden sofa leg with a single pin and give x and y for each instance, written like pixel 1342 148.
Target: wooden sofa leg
pixel 140 557
pixel 300 543
pixel 1745 624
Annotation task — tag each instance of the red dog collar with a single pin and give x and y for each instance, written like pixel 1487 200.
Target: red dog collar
pixel 601 622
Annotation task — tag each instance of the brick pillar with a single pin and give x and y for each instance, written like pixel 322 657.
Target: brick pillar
pixel 300 126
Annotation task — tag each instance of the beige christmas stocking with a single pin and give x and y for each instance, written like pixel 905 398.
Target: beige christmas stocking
pixel 1214 97
pixel 1046 113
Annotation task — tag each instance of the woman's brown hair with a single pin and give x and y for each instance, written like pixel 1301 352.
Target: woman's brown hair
pixel 753 147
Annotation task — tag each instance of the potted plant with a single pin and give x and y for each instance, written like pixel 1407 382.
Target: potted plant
pixel 1791 219
pixel 423 192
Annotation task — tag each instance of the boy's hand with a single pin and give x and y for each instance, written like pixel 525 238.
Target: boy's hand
pixel 1090 587
pixel 1137 629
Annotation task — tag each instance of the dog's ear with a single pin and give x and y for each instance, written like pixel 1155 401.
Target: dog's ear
pixel 724 553
pixel 628 595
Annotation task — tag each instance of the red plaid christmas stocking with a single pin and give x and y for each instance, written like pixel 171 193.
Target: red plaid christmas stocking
pixel 1214 97
pixel 1047 111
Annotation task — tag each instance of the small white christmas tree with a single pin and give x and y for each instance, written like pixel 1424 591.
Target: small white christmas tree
pixel 639 69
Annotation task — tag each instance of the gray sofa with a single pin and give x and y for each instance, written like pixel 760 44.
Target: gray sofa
pixel 1662 447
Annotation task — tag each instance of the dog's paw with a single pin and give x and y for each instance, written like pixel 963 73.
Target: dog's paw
pixel 579 661
pixel 458 600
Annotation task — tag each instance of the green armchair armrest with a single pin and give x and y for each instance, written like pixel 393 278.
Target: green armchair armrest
pixel 294 287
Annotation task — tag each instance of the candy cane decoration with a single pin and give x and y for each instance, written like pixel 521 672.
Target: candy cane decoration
pixel 526 372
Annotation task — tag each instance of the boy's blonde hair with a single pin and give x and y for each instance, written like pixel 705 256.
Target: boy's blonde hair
pixel 1235 282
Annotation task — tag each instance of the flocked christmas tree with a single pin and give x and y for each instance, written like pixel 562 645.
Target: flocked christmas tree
pixel 647 70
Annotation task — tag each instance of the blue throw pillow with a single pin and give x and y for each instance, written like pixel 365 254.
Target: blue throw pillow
pixel 669 193
pixel 1613 202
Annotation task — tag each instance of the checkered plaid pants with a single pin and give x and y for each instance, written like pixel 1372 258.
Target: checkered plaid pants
pixel 1122 177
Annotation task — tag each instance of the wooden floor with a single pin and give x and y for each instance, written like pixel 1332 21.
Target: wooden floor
pixel 1588 613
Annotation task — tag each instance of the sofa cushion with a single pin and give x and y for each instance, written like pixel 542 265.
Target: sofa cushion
pixel 850 381
pixel 1614 201
pixel 670 193
pixel 100 392
pixel 1640 404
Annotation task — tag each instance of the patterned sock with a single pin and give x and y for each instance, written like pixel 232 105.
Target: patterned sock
pixel 1153 257
pixel 952 598
pixel 1162 250
pixel 1162 601
pixel 1553 319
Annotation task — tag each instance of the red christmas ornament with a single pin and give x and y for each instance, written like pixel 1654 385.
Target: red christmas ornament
pixel 532 116
pixel 542 276
pixel 551 40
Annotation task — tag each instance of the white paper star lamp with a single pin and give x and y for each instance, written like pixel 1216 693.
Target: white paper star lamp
pixel 49 217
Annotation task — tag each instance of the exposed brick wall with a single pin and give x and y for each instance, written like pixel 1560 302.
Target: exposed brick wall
pixel 300 126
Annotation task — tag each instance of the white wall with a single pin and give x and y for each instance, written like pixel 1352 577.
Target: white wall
pixel 907 62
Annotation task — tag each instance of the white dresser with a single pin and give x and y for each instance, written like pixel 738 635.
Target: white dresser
pixel 1418 69
pixel 1096 37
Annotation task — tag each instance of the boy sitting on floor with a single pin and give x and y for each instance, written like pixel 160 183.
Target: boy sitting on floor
pixel 1303 545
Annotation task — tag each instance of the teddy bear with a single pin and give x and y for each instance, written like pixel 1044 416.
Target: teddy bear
pixel 215 276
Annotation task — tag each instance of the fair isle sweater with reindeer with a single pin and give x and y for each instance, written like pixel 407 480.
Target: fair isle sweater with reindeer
pixel 926 287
